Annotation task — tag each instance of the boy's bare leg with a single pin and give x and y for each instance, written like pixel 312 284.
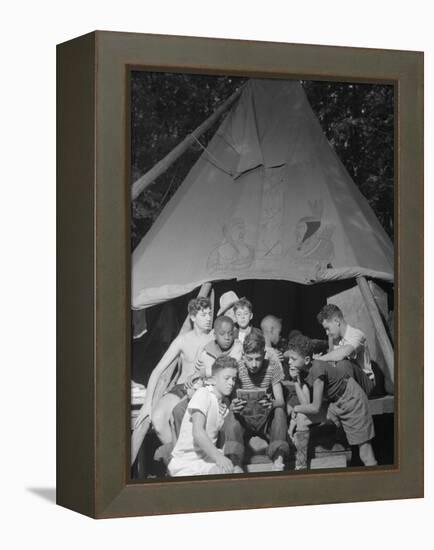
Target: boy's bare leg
pixel 161 417
pixel 366 453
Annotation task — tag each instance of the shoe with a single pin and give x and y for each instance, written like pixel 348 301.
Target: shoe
pixel 278 465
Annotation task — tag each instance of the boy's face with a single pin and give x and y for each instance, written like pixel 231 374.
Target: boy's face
pixel 332 327
pixel 243 316
pixel 296 362
pixel 276 329
pixel 224 380
pixel 202 319
pixel 224 335
pixel 254 361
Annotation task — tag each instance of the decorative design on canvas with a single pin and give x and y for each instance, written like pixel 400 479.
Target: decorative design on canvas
pixel 270 246
pixel 233 252
pixel 313 239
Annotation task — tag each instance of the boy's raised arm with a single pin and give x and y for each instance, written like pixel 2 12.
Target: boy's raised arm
pixel 171 354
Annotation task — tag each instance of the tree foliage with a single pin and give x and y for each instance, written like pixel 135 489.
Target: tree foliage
pixel 165 107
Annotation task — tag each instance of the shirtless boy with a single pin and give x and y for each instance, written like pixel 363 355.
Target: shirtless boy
pixel 186 346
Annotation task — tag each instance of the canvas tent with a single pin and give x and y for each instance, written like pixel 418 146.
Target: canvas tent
pixel 267 200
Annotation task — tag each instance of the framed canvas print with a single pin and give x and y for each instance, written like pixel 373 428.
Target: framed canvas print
pixel 239 274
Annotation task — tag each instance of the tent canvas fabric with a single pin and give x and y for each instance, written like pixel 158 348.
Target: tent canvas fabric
pixel 267 199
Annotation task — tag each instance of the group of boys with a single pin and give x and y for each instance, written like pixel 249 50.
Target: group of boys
pixel 230 388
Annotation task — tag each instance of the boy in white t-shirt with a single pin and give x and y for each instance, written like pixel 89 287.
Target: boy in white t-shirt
pixel 195 452
pixel 348 343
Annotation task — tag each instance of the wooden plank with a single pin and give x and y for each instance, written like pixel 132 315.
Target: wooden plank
pixel 382 405
pixel 338 461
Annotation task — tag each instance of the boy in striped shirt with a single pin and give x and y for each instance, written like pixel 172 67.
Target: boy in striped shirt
pixel 266 416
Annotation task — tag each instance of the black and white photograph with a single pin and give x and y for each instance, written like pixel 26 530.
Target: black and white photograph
pixel 262 275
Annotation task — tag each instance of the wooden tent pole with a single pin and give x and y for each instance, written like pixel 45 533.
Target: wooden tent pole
pixel 161 166
pixel 374 313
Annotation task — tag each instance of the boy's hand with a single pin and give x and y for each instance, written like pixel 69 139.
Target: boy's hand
pixel 294 374
pixel 225 464
pixel 291 430
pixel 143 414
pixel 200 364
pixel 266 402
pixel 279 354
pixel 237 405
pixel 190 381
pixel 317 355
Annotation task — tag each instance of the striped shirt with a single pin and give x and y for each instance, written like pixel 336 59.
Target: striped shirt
pixel 271 373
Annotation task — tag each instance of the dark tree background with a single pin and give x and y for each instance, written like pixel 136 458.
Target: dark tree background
pixel 165 107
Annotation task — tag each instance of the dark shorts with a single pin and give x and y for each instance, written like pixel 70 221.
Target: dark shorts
pixel 179 390
pixel 351 410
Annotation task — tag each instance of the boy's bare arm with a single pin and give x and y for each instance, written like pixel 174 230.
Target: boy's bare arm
pixel 278 400
pixel 314 407
pixel 171 354
pixel 302 392
pixel 203 441
pixel 337 354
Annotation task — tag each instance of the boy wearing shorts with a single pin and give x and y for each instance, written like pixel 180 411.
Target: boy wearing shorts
pixel 349 343
pixel 348 403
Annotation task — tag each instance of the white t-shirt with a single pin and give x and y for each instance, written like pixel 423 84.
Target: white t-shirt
pixel 204 400
pixel 242 333
pixel 355 338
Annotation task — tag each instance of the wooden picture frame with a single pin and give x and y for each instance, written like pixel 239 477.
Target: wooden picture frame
pixel 93 431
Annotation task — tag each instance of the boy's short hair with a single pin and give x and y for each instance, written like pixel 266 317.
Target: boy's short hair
pixel 302 345
pixel 328 312
pixel 243 303
pixel 223 319
pixel 198 304
pixel 224 362
pixel 254 342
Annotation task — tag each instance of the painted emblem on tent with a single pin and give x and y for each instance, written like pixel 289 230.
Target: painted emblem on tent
pixel 233 252
pixel 270 245
pixel 313 238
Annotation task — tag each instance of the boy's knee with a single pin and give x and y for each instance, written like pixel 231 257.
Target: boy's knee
pixel 160 418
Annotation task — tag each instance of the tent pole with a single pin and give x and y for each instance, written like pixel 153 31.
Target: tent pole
pixel 374 313
pixel 161 166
